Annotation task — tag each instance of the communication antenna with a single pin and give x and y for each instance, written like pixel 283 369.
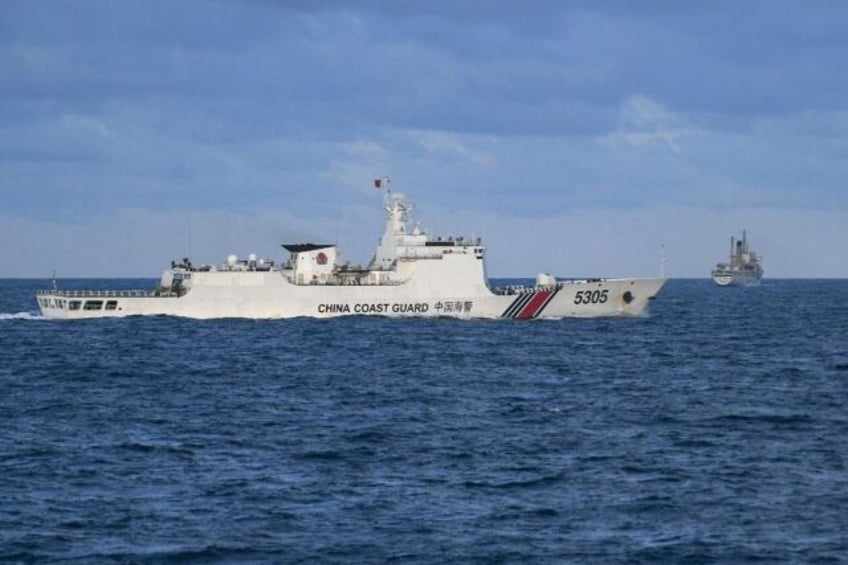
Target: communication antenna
pixel 662 260
pixel 55 287
pixel 188 234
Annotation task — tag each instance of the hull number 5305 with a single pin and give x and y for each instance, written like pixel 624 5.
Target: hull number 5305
pixel 591 296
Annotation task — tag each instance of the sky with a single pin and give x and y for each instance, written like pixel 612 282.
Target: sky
pixel 576 138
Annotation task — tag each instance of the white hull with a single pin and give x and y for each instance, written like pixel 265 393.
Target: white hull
pixel 726 278
pixel 411 274
pixel 269 296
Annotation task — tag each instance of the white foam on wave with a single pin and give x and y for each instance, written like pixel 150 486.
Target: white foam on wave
pixel 21 316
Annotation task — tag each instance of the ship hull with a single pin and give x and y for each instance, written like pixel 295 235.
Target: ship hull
pixel 731 278
pixel 270 296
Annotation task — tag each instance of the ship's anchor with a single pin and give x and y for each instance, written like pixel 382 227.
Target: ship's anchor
pixel 627 297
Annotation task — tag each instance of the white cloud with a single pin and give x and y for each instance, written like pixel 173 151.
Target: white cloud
pixel 451 144
pixel 87 124
pixel 364 148
pixel 645 123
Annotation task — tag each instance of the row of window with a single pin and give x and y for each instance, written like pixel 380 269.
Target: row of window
pixel 77 304
pixel 93 305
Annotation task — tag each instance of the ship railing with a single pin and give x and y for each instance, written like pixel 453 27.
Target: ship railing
pixel 524 288
pixel 97 293
pixel 346 282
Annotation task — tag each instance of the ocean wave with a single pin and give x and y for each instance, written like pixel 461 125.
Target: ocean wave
pixel 21 316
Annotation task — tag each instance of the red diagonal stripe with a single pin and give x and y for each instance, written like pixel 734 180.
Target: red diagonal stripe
pixel 535 303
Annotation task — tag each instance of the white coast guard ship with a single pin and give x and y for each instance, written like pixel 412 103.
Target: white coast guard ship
pixel 743 269
pixel 411 274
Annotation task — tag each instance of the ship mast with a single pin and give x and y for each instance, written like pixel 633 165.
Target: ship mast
pixel 398 211
pixel 732 250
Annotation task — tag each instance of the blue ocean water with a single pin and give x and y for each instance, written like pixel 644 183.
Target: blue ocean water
pixel 713 430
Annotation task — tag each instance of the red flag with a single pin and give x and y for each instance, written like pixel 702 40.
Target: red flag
pixel 378 182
